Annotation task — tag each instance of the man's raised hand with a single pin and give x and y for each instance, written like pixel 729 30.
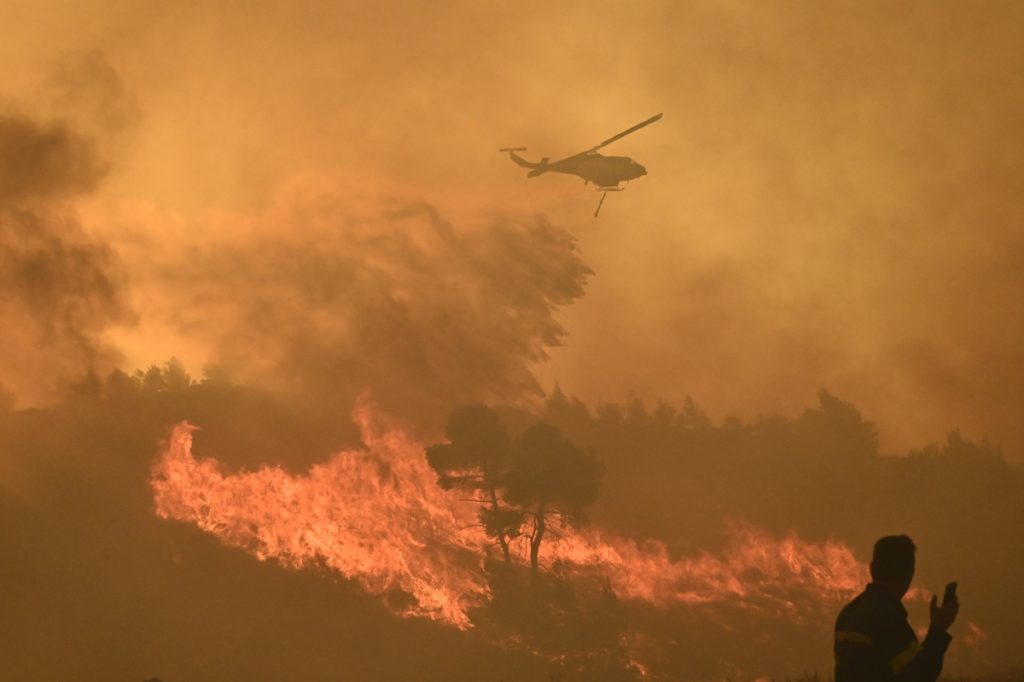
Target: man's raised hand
pixel 943 616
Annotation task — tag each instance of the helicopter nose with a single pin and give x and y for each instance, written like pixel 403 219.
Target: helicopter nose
pixel 641 170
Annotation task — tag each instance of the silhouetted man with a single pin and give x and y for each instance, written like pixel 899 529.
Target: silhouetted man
pixel 874 641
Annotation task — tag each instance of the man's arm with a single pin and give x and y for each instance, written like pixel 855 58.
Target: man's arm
pixel 923 662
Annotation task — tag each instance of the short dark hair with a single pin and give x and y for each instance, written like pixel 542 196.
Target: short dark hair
pixel 893 558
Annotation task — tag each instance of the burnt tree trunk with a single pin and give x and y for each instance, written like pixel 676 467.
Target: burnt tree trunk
pixel 538 535
pixel 502 540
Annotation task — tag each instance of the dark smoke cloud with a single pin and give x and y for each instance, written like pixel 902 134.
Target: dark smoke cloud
pixel 40 161
pixel 329 293
pixel 60 288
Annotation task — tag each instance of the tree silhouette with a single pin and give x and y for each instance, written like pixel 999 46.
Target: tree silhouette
pixel 477 458
pixel 550 476
pixel 522 482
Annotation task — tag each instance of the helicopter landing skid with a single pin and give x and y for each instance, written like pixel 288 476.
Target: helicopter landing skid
pixel 604 192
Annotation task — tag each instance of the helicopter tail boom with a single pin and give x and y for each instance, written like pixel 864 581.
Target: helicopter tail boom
pixel 539 167
pixel 535 168
pixel 520 161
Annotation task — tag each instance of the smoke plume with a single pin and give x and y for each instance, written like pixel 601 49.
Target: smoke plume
pixel 60 287
pixel 343 287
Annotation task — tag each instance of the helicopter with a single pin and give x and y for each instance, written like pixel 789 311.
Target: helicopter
pixel 606 172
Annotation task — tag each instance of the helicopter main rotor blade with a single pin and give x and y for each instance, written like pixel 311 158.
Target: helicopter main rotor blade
pixel 621 135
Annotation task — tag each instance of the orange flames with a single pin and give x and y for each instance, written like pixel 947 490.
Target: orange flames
pixel 376 515
pixel 787 576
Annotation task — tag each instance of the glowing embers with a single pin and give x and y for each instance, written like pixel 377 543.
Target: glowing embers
pixel 376 515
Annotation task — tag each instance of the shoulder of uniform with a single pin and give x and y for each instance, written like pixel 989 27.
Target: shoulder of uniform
pixel 862 603
pixel 867 614
pixel 852 617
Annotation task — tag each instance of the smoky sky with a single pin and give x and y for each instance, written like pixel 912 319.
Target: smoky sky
pixel 61 287
pixel 331 293
pixel 43 162
pixel 831 199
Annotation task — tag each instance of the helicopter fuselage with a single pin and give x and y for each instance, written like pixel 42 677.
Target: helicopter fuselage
pixel 603 171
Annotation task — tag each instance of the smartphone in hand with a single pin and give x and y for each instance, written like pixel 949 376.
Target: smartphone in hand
pixel 950 593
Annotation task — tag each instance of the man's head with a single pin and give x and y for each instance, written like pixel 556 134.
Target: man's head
pixel 892 563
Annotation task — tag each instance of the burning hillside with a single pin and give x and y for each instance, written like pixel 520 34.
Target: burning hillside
pixel 377 515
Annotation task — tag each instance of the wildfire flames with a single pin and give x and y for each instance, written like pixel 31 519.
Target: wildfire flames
pixel 756 571
pixel 377 515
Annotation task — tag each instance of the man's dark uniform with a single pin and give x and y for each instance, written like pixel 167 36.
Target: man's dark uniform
pixel 875 643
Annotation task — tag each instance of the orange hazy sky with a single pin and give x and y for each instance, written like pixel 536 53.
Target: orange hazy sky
pixel 833 198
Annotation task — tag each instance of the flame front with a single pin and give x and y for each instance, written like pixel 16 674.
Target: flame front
pixel 377 515
pixel 374 515
pixel 787 577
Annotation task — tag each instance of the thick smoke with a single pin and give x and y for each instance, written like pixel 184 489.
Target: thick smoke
pixel 43 162
pixel 60 288
pixel 336 290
